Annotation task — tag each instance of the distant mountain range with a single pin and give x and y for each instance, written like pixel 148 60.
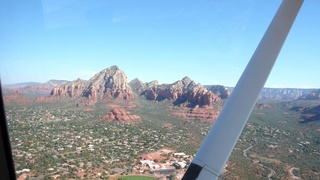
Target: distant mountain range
pixel 20 85
pixel 281 93
pixel 312 95
pixel 189 99
pixel 194 100
pixel 52 82
pixel 113 82
pixel 34 88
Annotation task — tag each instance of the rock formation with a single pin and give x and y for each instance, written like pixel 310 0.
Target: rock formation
pixel 308 114
pixel 313 95
pixel 137 86
pixel 181 91
pixel 120 115
pixel 190 100
pixel 204 113
pixel 219 90
pixel 109 83
pixel 70 89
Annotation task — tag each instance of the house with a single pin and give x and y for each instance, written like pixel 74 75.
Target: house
pixel 146 162
pixel 154 165
pixel 179 154
pixel 182 164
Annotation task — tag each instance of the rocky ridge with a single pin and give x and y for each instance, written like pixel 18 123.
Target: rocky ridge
pixel 204 113
pixel 219 90
pixel 286 94
pixel 71 89
pixel 313 95
pixel 109 83
pixel 190 100
pixel 308 114
pixel 181 91
pixel 137 85
pixel 120 114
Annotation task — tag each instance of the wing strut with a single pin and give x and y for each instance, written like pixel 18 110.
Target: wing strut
pixel 221 139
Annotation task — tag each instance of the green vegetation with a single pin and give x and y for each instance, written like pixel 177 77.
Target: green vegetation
pixel 137 178
pixel 61 140
pixel 276 142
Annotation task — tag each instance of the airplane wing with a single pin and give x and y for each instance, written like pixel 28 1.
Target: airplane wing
pixel 221 139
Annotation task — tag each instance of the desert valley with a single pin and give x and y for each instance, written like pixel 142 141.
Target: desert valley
pixel 109 128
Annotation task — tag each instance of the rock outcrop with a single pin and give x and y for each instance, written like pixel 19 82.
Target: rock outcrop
pixel 137 85
pixel 313 95
pixel 109 83
pixel 70 89
pixel 308 114
pixel 219 90
pixel 120 115
pixel 181 91
pixel 204 113
pixel 190 100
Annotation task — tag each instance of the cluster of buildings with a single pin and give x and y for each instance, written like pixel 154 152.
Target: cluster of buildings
pixel 163 164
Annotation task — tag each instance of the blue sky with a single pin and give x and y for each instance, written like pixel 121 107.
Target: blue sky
pixel 209 41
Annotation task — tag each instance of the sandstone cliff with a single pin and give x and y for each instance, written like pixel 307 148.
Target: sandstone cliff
pixel 219 90
pixel 181 91
pixel 109 83
pixel 190 100
pixel 71 89
pixel 206 113
pixel 120 115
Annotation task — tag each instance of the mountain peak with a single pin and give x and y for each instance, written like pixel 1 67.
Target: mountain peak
pixel 137 85
pixel 114 67
pixel 186 79
pixel 110 82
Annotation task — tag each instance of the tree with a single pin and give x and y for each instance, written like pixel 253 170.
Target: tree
pixel 172 177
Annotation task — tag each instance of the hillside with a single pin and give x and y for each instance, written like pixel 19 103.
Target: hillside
pixel 313 95
pixel 109 83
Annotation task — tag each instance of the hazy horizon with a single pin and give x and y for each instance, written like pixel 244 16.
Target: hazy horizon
pixel 34 82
